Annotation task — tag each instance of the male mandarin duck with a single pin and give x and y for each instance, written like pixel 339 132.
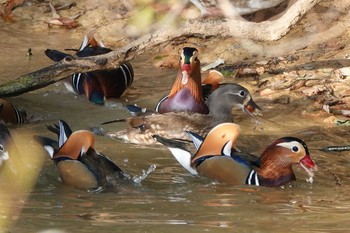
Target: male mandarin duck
pixel 78 163
pixel 173 124
pixel 97 85
pixel 209 84
pixel 186 92
pixel 216 158
pixel 11 114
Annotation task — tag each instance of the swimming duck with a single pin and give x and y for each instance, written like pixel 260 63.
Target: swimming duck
pixel 173 124
pixel 97 85
pixel 208 85
pixel 216 158
pixel 78 163
pixel 186 92
pixel 11 114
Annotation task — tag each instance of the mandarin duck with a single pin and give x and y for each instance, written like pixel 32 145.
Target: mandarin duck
pixel 96 85
pixel 208 85
pixel 216 158
pixel 11 114
pixel 189 92
pixel 241 7
pixel 173 124
pixel 186 92
pixel 78 163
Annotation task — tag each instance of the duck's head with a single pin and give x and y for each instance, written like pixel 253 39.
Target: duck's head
pixel 189 63
pixel 231 96
pixel 277 159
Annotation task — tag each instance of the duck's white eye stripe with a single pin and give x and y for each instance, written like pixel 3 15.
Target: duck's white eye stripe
pixel 290 145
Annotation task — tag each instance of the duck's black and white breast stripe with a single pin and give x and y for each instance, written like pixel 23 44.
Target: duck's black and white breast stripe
pixel 77 83
pixel 252 178
pixel 128 75
pixel 19 118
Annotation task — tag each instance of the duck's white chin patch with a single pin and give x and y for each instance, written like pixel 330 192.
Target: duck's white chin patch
pixel 184 77
pixel 309 172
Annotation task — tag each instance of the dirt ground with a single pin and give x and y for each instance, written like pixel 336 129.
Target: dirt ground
pixel 316 71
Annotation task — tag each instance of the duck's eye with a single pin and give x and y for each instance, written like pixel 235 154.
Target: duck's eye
pixel 241 93
pixel 195 59
pixel 1 148
pixel 180 58
pixel 295 149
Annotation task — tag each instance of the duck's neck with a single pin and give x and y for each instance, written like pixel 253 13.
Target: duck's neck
pixel 275 173
pixel 193 84
pixel 220 111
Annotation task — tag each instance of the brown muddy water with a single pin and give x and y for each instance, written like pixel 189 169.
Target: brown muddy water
pixel 169 199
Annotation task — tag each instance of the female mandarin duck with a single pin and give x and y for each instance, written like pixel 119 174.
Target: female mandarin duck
pixel 96 85
pixel 78 163
pixel 186 93
pixel 173 124
pixel 216 158
pixel 11 114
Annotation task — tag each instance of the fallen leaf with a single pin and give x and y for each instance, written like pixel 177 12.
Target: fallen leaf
pixel 244 72
pixel 310 91
pixel 7 7
pixel 330 120
pixel 345 112
pixel 345 71
pixel 267 91
pixel 326 108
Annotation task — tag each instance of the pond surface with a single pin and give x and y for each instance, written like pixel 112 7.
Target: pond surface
pixel 169 199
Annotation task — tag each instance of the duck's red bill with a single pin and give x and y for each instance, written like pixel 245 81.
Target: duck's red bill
pixel 308 165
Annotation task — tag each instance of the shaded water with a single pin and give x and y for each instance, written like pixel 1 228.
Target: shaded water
pixel 169 199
